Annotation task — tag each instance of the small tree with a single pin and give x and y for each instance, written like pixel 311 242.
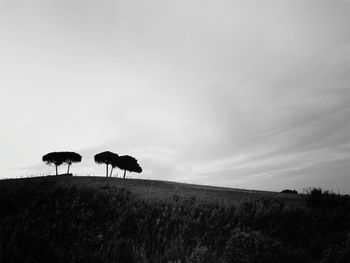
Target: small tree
pixel 71 157
pixel 107 158
pixel 128 163
pixel 53 158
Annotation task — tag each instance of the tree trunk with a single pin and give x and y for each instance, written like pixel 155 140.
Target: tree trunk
pixel 68 169
pixel 56 169
pixel 106 169
pixel 124 173
pixel 110 174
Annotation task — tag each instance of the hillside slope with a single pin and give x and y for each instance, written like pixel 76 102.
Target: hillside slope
pixel 77 219
pixel 159 190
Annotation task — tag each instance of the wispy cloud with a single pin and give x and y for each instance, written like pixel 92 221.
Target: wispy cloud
pixel 237 93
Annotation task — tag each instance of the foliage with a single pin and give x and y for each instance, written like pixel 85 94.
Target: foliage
pixel 107 158
pixel 58 158
pixel 41 221
pixel 289 191
pixel 53 158
pixel 318 199
pixel 128 163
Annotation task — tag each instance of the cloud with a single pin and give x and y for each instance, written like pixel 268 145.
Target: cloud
pixel 233 93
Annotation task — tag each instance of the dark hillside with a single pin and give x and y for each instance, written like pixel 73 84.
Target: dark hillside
pixel 67 219
pixel 151 190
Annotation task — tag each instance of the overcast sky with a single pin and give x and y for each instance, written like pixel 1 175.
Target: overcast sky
pixel 247 94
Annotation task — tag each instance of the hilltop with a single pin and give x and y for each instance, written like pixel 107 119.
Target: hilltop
pixel 96 219
pixel 154 190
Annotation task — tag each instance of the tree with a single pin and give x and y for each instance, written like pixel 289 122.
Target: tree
pixel 114 164
pixel 107 158
pixel 128 163
pixel 71 157
pixel 53 158
pixel 58 158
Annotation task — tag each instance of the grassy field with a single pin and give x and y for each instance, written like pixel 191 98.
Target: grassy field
pixel 96 219
pixel 160 190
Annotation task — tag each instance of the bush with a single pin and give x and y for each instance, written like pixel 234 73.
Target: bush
pixel 317 198
pixel 288 191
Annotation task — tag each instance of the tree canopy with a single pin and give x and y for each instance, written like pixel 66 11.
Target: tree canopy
pixel 108 158
pixel 124 162
pixel 58 158
pixel 71 157
pixel 128 163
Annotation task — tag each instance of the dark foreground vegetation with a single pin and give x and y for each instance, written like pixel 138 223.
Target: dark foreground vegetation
pixel 43 221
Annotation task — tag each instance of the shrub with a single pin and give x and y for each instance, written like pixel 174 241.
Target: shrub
pixel 288 191
pixel 317 198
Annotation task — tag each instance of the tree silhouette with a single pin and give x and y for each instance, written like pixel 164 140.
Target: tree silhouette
pixel 58 158
pixel 71 157
pixel 53 158
pixel 114 164
pixel 128 163
pixel 107 158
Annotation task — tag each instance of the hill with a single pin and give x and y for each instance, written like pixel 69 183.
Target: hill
pixel 153 190
pixel 91 219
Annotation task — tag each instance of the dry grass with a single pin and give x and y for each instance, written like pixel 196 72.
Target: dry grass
pixel 162 190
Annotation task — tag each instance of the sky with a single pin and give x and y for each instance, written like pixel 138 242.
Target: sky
pixel 246 94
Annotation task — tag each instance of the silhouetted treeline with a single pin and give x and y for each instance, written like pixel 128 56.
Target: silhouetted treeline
pixel 124 162
pixel 41 221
